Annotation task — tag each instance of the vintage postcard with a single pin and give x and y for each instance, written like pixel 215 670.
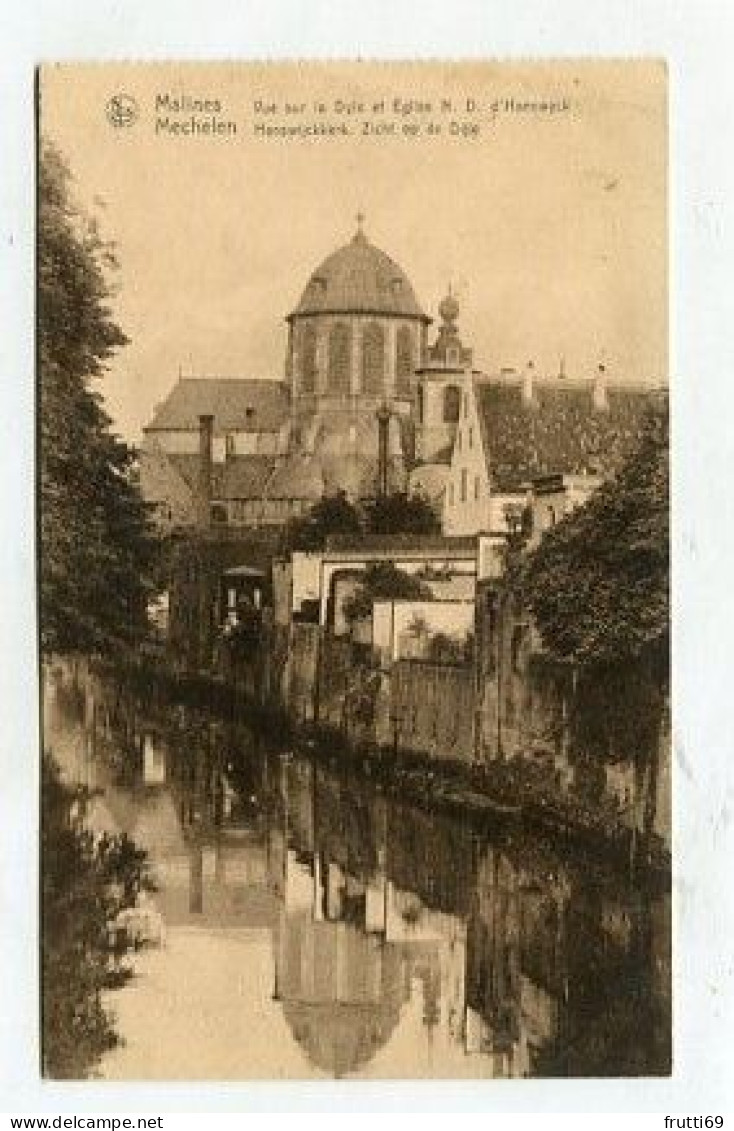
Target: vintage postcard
pixel 354 570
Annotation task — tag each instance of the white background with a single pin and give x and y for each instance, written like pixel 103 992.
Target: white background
pixel 696 38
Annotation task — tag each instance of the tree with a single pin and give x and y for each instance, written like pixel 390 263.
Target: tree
pixel 333 514
pixel 401 513
pixel 95 543
pixel 86 883
pixel 598 582
pixel 384 581
pixel 598 588
pixel 446 649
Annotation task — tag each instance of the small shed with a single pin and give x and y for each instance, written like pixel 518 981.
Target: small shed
pixel 242 585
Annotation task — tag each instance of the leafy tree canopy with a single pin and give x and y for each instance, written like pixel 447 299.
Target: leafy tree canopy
pixel 86 882
pixel 95 544
pixel 384 581
pixel 598 582
pixel 400 513
pixel 333 514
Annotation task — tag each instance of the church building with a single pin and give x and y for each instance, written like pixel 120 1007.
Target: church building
pixel 370 399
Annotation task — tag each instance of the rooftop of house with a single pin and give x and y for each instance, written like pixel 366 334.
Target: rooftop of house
pixel 238 477
pixel 237 404
pixel 359 278
pixel 414 545
pixel 560 429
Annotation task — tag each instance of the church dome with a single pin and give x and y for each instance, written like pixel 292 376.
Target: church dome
pixel 359 279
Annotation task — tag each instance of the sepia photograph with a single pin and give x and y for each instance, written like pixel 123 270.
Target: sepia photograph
pixel 352 402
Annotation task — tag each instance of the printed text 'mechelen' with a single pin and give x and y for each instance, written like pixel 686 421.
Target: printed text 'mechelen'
pixel 187 116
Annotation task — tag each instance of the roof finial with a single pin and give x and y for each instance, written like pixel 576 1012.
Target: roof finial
pixel 448 308
pixel 359 234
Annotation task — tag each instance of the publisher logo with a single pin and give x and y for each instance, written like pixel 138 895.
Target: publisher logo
pixel 122 110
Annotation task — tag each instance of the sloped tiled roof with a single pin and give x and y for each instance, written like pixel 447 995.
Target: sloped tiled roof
pixel 437 545
pixel 561 430
pixel 237 405
pixel 298 476
pixel 239 477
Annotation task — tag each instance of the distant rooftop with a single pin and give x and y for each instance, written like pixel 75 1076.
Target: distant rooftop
pixel 237 404
pixel 560 429
pixel 239 477
pixel 437 545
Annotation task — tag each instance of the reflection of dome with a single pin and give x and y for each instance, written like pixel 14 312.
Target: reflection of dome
pixel 337 1038
pixel 341 990
pixel 359 278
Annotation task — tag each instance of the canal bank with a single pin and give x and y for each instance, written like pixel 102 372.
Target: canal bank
pixel 317 923
pixel 505 793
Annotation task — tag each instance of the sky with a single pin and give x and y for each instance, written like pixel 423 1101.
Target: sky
pixel 551 228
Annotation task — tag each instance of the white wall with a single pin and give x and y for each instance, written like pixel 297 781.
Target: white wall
pixel 306 577
pixel 461 568
pixel 392 619
pixel 466 505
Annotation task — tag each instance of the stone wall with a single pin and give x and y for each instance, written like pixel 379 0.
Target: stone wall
pixel 596 733
pixel 432 709
pixel 301 672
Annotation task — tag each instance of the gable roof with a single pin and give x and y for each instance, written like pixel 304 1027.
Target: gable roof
pixel 560 430
pixel 237 404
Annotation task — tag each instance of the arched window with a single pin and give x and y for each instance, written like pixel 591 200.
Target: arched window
pixel 373 358
pixel 403 359
pixel 340 357
pixel 308 359
pixel 451 404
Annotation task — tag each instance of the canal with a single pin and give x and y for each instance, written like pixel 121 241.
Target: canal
pixel 308 926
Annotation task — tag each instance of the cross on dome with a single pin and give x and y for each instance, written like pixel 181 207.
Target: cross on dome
pixel 359 234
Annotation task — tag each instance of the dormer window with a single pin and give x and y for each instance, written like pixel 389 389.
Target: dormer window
pixel 452 355
pixel 397 287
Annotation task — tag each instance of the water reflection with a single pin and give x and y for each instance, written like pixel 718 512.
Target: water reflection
pixel 316 927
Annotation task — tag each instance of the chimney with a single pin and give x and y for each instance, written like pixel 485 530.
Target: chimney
pixel 600 388
pixel 383 434
pixel 527 383
pixel 204 501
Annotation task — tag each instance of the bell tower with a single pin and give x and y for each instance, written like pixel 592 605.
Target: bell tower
pixel 440 386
